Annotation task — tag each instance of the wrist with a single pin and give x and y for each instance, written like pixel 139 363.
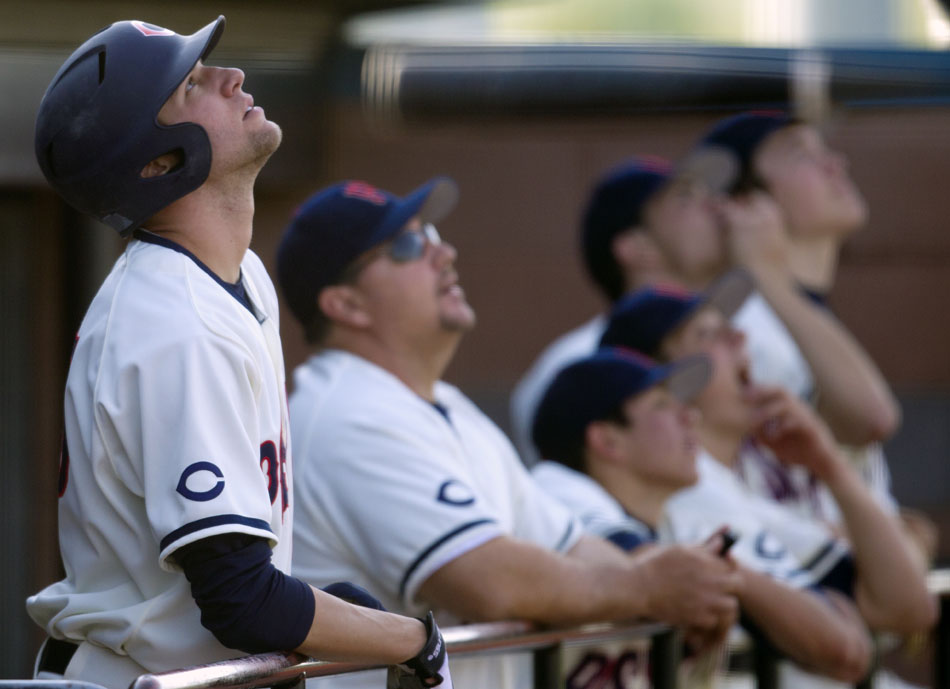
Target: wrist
pixel 640 585
pixel 428 659
pixel 769 275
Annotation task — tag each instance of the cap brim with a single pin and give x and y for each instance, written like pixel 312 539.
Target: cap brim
pixel 214 30
pixel 728 293
pixel 714 166
pixel 687 378
pixel 195 47
pixel 443 197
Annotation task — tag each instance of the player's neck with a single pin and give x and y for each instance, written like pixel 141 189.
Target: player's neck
pixel 814 262
pixel 419 367
pixel 722 444
pixel 214 227
pixel 639 499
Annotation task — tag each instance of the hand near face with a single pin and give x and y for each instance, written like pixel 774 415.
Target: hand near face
pixel 754 231
pixel 788 427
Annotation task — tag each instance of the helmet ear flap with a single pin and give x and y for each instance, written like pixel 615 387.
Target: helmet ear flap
pixel 142 197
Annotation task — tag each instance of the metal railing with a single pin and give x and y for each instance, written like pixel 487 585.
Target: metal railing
pixel 271 669
pixel 290 669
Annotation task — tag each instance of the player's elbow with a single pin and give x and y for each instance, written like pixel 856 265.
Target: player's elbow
pixel 848 661
pixel 915 611
pixel 883 421
pixel 485 605
pixel 918 615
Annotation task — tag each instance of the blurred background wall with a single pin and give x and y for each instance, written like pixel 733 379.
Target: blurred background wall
pixel 523 183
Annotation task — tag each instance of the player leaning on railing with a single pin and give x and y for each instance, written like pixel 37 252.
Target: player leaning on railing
pixel 175 509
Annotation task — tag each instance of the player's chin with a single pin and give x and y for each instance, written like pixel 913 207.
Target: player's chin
pixel 460 318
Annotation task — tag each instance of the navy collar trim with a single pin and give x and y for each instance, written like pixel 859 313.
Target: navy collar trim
pixel 235 289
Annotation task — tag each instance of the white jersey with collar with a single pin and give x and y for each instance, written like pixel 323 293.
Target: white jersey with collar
pixel 776 360
pixel 175 414
pixel 772 539
pixel 391 488
pixel 527 393
pixel 598 510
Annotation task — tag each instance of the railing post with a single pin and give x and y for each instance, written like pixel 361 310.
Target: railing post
pixel 665 654
pixel 765 664
pixel 547 667
pixel 942 646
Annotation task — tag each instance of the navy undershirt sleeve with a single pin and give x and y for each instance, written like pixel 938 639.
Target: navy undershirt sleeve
pixel 627 540
pixel 841 577
pixel 245 601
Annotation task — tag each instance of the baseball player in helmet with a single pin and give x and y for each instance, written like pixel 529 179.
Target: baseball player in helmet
pixel 176 495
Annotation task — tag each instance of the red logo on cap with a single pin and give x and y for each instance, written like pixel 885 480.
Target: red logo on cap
pixel 151 29
pixel 634 356
pixel 668 289
pixel 651 163
pixel 364 192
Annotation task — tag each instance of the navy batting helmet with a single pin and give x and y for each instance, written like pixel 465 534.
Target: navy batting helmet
pixel 97 125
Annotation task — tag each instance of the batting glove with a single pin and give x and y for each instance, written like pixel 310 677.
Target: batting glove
pixel 428 668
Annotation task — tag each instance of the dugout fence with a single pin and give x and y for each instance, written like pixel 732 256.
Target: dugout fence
pixel 662 643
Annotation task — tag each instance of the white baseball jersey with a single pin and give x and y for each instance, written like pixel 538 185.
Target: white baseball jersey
pixel 598 510
pixel 527 393
pixel 392 487
pixel 772 539
pixel 776 359
pixel 175 418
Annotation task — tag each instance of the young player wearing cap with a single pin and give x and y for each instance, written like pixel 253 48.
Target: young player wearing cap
pixel 820 207
pixel 740 417
pixel 404 485
pixel 176 487
pixel 649 223
pixel 624 441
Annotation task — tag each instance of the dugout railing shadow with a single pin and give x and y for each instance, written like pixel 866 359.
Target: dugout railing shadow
pixel 289 670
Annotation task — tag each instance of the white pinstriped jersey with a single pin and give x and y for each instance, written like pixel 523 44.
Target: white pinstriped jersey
pixel 175 417
pixel 391 488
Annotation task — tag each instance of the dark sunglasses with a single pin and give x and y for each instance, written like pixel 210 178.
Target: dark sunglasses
pixel 411 244
pixel 406 246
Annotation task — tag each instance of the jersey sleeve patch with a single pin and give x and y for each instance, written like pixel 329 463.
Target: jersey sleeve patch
pixel 201 481
pixel 453 492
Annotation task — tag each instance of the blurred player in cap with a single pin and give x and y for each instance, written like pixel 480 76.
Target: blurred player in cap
pixel 176 500
pixel 404 485
pixel 740 417
pixel 646 221
pixel 624 441
pixel 820 208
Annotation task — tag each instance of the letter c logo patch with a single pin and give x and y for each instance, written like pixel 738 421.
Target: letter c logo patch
pixel 195 470
pixel 453 492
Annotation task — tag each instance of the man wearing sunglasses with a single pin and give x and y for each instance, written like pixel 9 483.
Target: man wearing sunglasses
pixel 404 486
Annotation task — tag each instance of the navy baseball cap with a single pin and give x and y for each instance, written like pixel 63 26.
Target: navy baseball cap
pixel 338 224
pixel 741 135
pixel 593 388
pixel 642 320
pixel 618 200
